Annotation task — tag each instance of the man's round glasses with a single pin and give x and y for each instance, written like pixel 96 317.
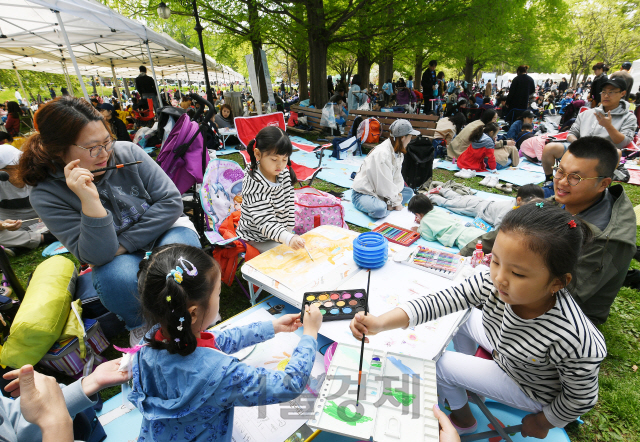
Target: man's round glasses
pixel 572 178
pixel 609 93
pixel 95 151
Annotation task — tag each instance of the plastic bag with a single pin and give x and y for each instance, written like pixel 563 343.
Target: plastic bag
pixel 328 118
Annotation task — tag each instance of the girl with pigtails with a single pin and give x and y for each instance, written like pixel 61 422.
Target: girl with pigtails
pixel 267 212
pixel 185 382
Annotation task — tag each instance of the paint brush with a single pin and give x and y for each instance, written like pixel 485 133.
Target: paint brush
pixel 117 166
pixel 366 307
pixel 307 250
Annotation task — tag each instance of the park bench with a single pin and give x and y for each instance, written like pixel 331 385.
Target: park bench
pixel 313 119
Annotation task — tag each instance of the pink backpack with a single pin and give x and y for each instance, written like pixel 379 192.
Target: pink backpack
pixel 317 208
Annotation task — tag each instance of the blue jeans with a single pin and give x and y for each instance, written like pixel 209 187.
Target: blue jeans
pixel 117 281
pixel 374 206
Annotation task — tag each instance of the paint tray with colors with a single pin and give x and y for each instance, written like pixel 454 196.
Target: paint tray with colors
pixel 336 305
pixel 397 235
pixel 396 400
pixel 434 261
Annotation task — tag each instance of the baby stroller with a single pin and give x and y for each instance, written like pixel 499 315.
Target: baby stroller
pixel 184 157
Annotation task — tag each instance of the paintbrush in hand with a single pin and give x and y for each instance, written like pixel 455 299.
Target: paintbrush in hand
pixel 103 169
pixel 366 307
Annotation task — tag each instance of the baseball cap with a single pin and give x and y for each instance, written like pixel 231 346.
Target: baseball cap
pixel 528 114
pixel 626 65
pixel 401 128
pixel 107 106
pixel 618 82
pixel 9 155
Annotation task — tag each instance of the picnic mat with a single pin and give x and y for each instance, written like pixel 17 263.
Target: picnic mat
pixel 525 173
pixel 634 177
pixel 404 218
pixel 334 171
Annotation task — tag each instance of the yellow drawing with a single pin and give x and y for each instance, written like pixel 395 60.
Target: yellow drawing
pixel 330 246
pixel 282 361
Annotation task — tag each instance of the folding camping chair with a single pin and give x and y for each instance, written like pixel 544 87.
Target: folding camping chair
pixel 248 128
pixel 499 430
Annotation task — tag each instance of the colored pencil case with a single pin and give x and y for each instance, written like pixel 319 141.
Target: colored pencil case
pixel 397 235
pixel 336 305
pixel 65 356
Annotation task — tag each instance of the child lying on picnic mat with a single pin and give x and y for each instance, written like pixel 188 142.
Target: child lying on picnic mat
pixel 477 207
pixel 438 225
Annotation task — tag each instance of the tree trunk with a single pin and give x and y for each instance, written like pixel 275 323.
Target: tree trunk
pixel 417 71
pixel 303 90
pixel 468 69
pixel 364 66
pixel 318 48
pixel 256 47
pixel 386 67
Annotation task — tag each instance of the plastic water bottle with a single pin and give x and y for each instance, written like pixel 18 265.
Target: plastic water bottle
pixel 478 255
pixel 454 161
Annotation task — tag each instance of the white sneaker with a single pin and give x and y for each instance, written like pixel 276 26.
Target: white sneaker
pixel 493 181
pixel 466 173
pixel 485 180
pixel 460 173
pixel 136 335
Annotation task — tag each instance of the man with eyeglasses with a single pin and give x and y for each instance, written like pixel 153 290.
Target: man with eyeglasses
pixel 611 121
pixel 582 184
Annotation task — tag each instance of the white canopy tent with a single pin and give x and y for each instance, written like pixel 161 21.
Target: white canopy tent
pixel 84 35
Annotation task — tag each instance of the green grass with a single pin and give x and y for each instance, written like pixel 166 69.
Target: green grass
pixel 615 417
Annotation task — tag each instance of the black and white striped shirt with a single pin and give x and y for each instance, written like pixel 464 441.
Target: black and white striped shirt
pixel 554 358
pixel 267 211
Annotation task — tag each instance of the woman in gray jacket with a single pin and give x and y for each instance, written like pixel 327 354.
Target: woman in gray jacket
pixel 109 219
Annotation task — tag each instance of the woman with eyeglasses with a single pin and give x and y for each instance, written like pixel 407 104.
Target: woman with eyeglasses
pixel 107 219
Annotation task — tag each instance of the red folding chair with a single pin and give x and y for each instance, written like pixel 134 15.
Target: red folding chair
pixel 248 128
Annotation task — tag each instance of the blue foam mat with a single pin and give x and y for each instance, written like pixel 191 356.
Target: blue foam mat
pixel 227 151
pixel 525 173
pixel 334 171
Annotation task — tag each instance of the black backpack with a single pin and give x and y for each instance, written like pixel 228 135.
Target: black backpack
pixel 417 166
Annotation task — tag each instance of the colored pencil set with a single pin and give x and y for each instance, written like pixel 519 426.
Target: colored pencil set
pixel 439 262
pixel 397 235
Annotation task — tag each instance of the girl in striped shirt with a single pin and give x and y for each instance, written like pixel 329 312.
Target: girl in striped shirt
pixel 546 353
pixel 267 211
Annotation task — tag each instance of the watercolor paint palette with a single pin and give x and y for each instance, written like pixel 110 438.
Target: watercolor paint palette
pixel 434 261
pixel 397 394
pixel 398 235
pixel 336 305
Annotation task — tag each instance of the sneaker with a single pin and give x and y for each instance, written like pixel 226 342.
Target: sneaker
pixel 136 335
pixel 493 181
pixel 460 173
pixel 485 180
pixel 465 173
pixel 9 251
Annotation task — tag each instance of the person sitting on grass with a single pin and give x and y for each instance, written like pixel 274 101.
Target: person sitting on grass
pixel 525 133
pixel 439 225
pixel 108 219
pixel 516 127
pixel 546 354
pixel 480 154
pixel 611 120
pixel 477 207
pixel 582 184
pixel 378 186
pixel 15 207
